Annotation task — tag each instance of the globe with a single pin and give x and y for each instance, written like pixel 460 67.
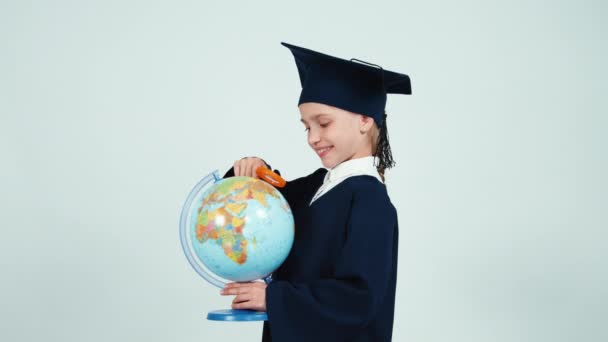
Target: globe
pixel 235 229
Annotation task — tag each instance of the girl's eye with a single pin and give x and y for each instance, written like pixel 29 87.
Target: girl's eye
pixel 306 129
pixel 324 125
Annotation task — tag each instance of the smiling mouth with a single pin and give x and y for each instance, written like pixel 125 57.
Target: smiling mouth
pixel 322 152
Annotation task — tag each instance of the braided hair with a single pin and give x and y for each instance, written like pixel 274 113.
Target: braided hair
pixel 383 156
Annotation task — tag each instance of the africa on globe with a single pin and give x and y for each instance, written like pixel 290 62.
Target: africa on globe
pixel 235 229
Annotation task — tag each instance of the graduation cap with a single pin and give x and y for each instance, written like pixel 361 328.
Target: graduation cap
pixel 352 85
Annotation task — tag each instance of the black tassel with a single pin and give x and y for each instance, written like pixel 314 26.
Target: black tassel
pixel 384 157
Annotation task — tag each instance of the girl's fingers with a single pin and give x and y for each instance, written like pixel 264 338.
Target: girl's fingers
pixel 245 284
pixel 231 285
pixel 241 167
pixel 243 306
pixel 252 305
pixel 248 168
pixel 242 298
pixel 232 291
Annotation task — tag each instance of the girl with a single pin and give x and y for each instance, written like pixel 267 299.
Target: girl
pixel 338 282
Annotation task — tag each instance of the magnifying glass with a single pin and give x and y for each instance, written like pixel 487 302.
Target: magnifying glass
pixel 270 177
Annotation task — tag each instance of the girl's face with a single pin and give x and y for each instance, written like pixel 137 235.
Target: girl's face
pixel 336 134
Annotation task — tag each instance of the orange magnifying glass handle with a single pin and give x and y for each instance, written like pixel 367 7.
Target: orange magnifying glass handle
pixel 269 176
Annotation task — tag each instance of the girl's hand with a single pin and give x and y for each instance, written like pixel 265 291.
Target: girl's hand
pixel 248 295
pixel 247 166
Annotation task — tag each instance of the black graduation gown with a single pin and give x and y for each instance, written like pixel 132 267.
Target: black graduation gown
pixel 338 282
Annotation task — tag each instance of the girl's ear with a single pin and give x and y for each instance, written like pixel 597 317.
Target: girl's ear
pixel 365 124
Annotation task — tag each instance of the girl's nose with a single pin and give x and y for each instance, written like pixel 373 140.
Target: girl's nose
pixel 313 137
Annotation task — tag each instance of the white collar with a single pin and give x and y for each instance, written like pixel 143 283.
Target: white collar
pixel 358 166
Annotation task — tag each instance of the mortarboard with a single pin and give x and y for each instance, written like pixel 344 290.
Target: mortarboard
pixel 352 85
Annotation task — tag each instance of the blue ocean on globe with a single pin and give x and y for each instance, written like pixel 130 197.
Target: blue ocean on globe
pixel 242 229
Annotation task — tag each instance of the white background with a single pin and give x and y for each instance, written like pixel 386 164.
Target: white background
pixel 110 111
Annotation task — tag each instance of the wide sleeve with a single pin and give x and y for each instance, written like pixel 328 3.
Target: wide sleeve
pixel 338 307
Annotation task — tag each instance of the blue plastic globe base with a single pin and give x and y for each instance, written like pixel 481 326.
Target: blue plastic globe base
pixel 237 315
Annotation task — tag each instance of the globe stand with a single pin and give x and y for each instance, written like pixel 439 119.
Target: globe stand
pixel 237 315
